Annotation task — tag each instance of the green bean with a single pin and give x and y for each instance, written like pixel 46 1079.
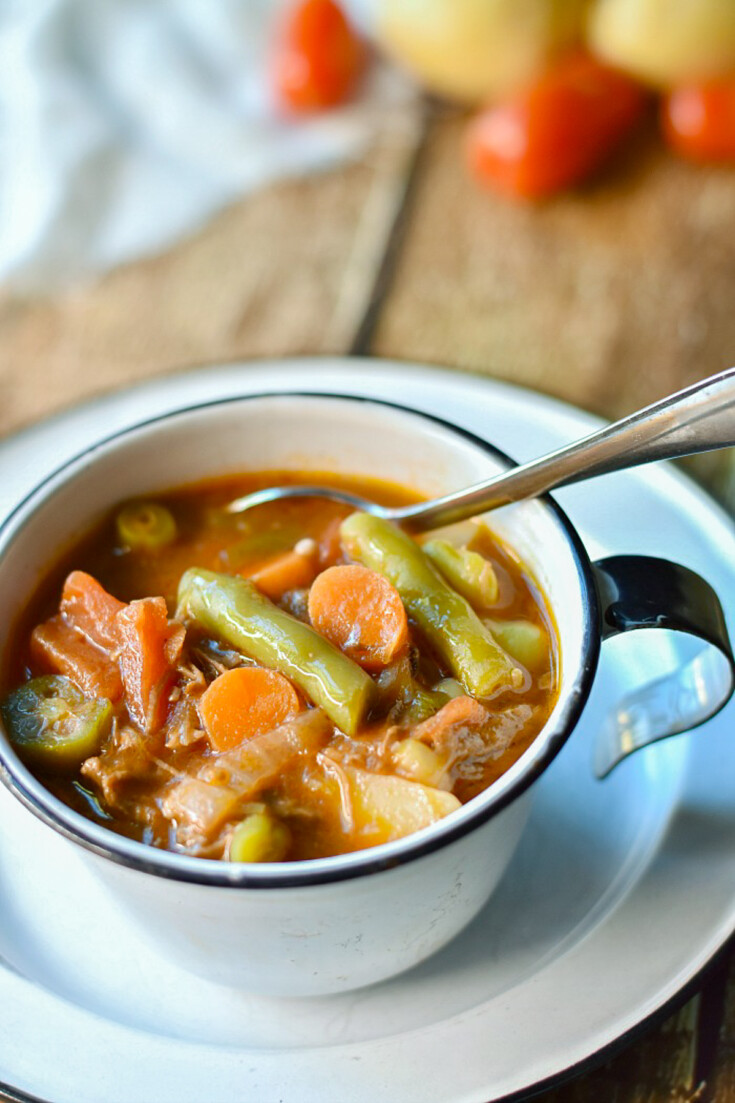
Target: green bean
pixel 234 610
pixel 444 616
pixel 53 724
pixel 468 572
pixel 403 697
pixel 145 526
pixel 423 705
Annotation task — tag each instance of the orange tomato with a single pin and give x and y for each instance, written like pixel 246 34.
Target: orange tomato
pixel 699 121
pixel 557 131
pixel 318 56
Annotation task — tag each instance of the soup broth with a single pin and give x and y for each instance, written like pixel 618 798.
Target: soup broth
pixel 292 682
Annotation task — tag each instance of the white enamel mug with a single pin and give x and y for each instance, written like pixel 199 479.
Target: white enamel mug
pixel 332 924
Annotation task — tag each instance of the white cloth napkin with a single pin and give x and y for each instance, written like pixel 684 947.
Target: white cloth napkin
pixel 125 124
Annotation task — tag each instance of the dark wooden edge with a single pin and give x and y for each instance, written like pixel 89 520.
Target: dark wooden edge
pixel 656 1018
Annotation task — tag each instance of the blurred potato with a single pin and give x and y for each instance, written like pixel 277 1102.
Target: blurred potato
pixel 665 42
pixel 477 50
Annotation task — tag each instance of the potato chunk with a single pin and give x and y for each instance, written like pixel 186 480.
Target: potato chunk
pixel 385 807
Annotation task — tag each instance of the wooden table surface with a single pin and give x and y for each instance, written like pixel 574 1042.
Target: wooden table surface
pixel 609 298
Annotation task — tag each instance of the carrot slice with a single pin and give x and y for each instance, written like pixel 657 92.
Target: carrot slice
pixel 246 701
pixel 87 606
pixel 148 649
pixel 289 571
pixel 57 646
pixel 361 613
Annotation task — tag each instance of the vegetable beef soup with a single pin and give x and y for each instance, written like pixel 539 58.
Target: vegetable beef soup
pixel 293 682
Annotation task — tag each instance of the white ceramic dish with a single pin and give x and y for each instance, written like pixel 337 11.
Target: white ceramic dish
pixel 620 881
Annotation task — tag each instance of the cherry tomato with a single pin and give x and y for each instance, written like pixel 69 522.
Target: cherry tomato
pixel 318 56
pixel 557 131
pixel 699 121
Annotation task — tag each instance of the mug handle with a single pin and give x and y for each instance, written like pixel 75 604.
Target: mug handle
pixel 639 591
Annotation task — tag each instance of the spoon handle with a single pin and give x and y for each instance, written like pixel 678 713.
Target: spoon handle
pixel 698 419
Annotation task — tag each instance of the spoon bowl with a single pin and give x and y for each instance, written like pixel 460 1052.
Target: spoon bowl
pixel 699 418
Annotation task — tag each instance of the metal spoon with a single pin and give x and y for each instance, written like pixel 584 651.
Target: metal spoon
pixel 699 418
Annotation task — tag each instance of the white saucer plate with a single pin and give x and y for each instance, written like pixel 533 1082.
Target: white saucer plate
pixel 620 894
